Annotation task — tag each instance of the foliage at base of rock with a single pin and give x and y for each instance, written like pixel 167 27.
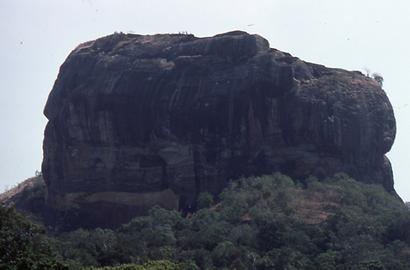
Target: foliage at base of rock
pixel 151 265
pixel 268 222
pixel 23 244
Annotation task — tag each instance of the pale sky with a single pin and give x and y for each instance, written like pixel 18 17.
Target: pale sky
pixel 37 36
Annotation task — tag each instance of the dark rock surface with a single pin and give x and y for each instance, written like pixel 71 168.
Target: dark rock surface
pixel 141 120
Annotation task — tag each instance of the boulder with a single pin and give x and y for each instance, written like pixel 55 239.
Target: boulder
pixel 142 120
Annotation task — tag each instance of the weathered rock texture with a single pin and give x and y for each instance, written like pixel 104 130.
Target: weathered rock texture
pixel 137 120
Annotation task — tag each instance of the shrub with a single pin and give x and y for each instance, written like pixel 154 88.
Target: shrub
pixel 205 200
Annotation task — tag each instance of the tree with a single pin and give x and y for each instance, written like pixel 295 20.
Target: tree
pixel 378 78
pixel 367 71
pixel 23 244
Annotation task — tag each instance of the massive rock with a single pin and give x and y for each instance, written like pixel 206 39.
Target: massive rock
pixel 139 120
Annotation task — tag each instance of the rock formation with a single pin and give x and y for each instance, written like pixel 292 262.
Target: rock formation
pixel 139 120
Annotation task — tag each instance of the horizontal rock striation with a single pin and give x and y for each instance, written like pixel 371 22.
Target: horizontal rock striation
pixel 174 115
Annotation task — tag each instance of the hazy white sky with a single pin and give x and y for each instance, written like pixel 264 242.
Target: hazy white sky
pixel 37 35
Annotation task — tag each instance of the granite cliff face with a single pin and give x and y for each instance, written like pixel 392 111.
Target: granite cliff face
pixel 137 120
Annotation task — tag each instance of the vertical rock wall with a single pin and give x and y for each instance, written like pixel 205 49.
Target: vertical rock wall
pixel 136 121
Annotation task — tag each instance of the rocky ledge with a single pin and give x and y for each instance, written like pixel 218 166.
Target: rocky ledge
pixel 139 120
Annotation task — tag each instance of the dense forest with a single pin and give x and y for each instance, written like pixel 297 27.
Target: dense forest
pixel 267 222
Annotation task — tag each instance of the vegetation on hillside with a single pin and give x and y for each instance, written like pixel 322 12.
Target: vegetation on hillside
pixel 267 222
pixel 23 245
